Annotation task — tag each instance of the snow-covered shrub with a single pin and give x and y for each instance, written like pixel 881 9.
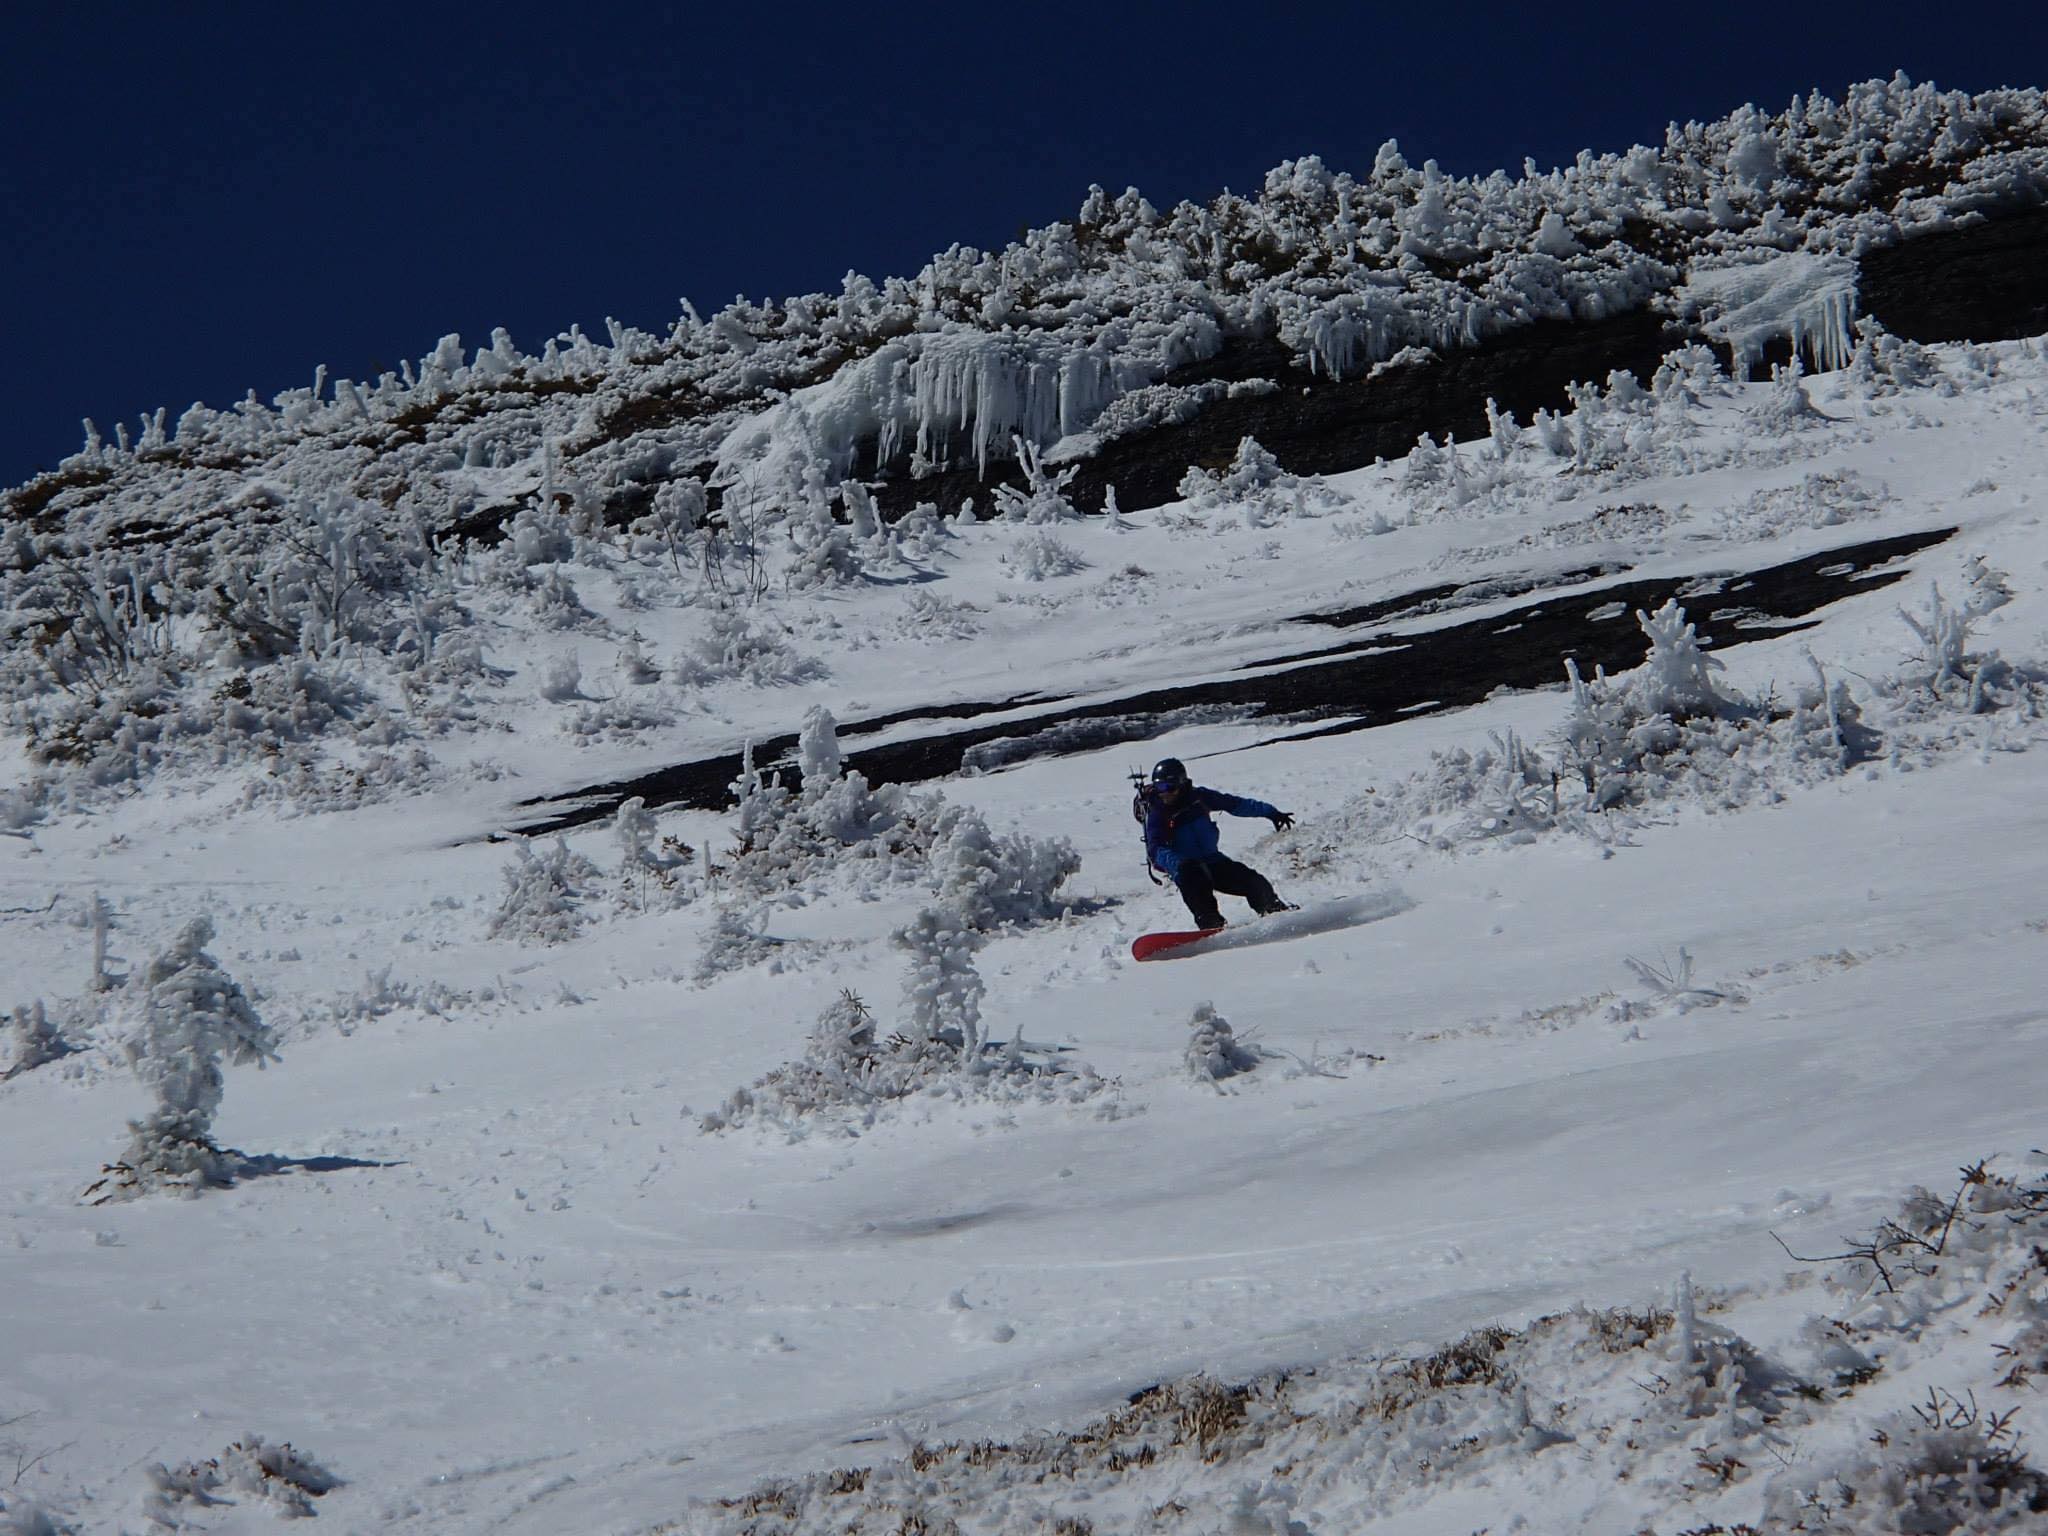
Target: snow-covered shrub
pixel 37 1041
pixel 543 895
pixel 620 717
pixel 1817 501
pixel 1946 671
pixel 1214 1052
pixel 22 808
pixel 835 824
pixel 1990 589
pixel 280 1477
pixel 735 650
pixel 785 837
pixel 822 549
pixel 942 990
pixel 1044 497
pixel 1670 984
pixel 1257 490
pixel 1884 364
pixel 921 534
pixel 643 853
pixel 562 680
pixel 852 1074
pixel 191 1014
pixel 989 880
pixel 552 598
pixel 735 941
pixel 1786 406
pixel 666 532
pixel 818 753
pixel 1944 634
pixel 1618 731
pixel 380 994
pixel 99 623
pixel 927 616
pixel 1042 556
pixel 1502 790
pixel 1944 1465
pixel 634 667
pixel 538 534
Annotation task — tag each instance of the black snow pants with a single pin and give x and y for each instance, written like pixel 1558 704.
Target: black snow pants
pixel 1200 879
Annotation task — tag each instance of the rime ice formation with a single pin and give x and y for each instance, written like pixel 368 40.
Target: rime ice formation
pixel 1807 300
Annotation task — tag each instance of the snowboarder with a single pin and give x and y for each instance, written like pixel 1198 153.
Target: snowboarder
pixel 1180 842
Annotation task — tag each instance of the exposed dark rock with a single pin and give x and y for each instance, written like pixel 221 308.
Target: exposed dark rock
pixel 1374 679
pixel 1988 282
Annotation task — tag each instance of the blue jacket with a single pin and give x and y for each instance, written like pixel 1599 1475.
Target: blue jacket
pixel 1175 834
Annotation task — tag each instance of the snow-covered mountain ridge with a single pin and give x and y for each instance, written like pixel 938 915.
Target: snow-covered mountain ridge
pixel 1068 334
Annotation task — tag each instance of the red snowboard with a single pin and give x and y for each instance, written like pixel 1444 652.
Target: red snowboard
pixel 1150 946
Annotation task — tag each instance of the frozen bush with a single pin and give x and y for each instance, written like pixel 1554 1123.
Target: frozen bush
pixel 990 880
pixel 555 603
pixel 822 552
pixel 192 1013
pixel 666 531
pixel 734 650
pixel 852 1074
pixel 543 894
pixel 277 1475
pixel 636 829
pixel 1884 364
pixel 836 823
pixel 1944 634
pixel 927 616
pixel 1616 731
pixel 1214 1052
pixel 942 990
pixel 22 808
pixel 380 995
pixel 1042 557
pixel 538 534
pixel 1989 589
pixel 1785 407
pixel 1044 497
pixel 620 717
pixel 653 870
pixel 562 682
pixel 819 758
pixel 734 942
pixel 634 666
pixel 1939 1467
pixel 37 1041
pixel 1257 490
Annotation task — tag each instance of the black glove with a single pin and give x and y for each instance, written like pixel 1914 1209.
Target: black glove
pixel 1282 821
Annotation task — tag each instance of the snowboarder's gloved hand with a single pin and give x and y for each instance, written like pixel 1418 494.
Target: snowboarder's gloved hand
pixel 1282 821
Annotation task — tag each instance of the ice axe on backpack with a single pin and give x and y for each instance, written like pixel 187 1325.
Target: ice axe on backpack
pixel 1139 781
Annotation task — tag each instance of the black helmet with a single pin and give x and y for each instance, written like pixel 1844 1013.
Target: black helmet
pixel 1169 771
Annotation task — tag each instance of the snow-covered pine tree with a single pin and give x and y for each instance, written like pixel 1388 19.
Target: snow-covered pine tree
pixel 942 989
pixel 192 1013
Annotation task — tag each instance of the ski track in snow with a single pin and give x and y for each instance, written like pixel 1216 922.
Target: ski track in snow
pixel 547 1301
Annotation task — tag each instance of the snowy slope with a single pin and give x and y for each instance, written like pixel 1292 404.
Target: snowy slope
pixel 501 1272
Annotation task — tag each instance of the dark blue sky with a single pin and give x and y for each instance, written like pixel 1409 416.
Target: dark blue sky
pixel 203 198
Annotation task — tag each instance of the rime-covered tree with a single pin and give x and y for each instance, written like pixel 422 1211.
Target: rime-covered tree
pixel 942 989
pixel 191 1015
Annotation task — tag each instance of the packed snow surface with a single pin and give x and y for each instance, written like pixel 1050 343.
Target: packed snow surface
pixel 575 1193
